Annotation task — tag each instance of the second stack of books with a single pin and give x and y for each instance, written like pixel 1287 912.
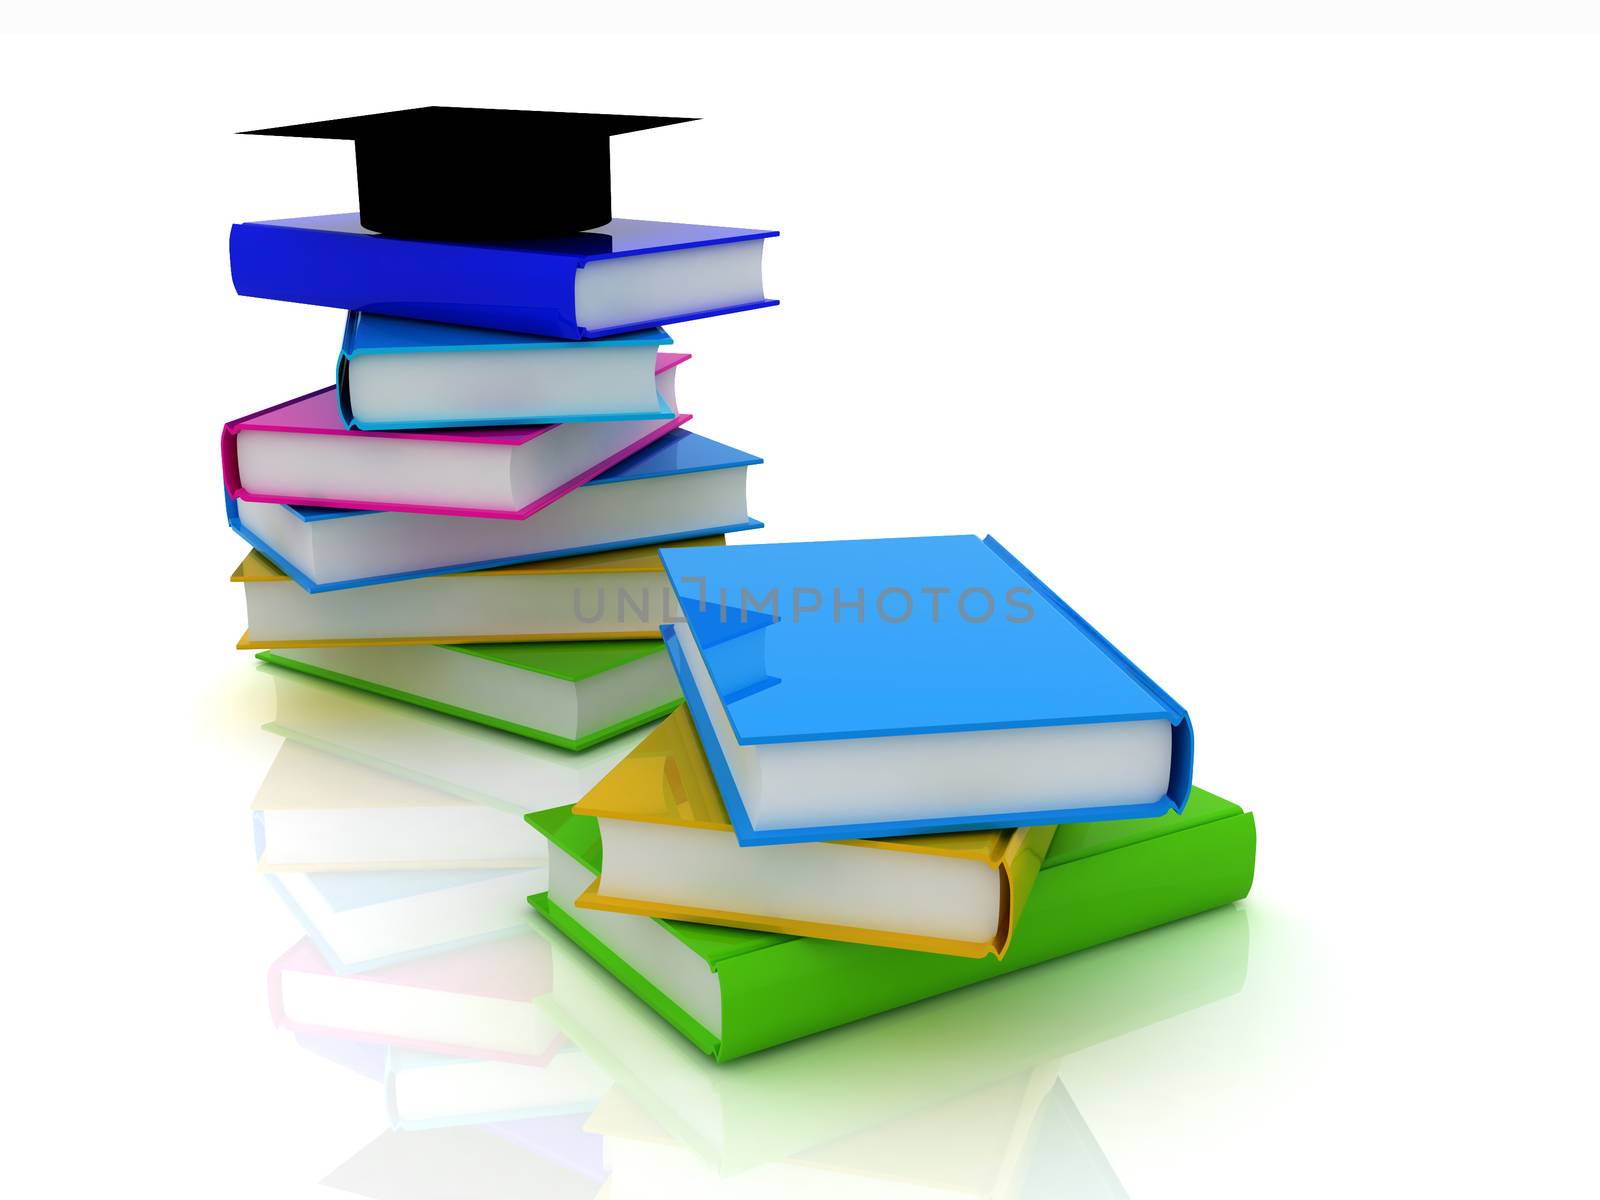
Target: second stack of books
pixel 902 766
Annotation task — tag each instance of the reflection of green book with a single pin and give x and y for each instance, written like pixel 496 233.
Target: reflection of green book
pixel 569 694
pixel 463 758
pixel 732 992
pixel 1017 1137
pixel 467 1162
pixel 821 1091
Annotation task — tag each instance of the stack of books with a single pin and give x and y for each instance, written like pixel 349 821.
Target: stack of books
pixel 466 516
pixel 903 766
pixel 879 770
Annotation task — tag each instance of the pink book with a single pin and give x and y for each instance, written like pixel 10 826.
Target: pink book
pixel 300 452
pixel 472 1002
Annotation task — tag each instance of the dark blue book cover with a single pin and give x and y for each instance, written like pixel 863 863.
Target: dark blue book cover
pixel 623 276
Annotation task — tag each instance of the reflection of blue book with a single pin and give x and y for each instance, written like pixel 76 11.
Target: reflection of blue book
pixel 558 1137
pixel 367 1059
pixel 1062 1158
pixel 681 486
pixel 563 1140
pixel 1018 1137
pixel 866 689
pixel 463 1163
pixel 426 1090
pixel 622 276
pixel 363 920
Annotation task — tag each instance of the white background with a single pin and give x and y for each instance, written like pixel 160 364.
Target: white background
pixel 1277 357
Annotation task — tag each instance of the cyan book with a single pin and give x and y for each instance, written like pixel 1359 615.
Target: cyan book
pixel 399 374
pixel 623 276
pixel 878 688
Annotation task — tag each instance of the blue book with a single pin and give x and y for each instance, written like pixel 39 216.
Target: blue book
pixel 623 276
pixel 681 486
pixel 400 374
pixel 868 689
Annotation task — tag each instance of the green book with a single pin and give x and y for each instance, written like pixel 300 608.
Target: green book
pixel 568 694
pixel 733 992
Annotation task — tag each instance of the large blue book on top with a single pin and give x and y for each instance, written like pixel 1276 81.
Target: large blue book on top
pixel 866 689
pixel 623 276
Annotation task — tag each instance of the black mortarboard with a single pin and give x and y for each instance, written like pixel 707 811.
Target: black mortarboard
pixel 480 174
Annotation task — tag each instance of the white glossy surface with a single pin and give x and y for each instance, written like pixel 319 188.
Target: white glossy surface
pixel 1335 298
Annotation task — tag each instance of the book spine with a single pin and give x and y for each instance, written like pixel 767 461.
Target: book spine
pixel 801 987
pixel 484 286
pixel 230 441
pixel 341 370
pixel 627 975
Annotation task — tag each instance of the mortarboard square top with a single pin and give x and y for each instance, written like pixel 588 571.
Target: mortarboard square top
pixel 480 174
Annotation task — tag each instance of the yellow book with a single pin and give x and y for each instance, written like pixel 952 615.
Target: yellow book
pixel 669 850
pixel 584 598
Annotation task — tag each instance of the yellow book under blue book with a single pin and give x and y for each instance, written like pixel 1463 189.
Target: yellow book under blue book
pixel 669 851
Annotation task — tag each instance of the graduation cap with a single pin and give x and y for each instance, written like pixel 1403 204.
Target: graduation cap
pixel 480 174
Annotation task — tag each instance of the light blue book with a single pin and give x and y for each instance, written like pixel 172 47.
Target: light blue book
pixel 400 374
pixel 681 486
pixel 865 689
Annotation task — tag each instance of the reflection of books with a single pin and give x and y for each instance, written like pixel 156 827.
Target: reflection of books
pixel 1065 1159
pixel 466 760
pixel 562 1140
pixel 428 1090
pixel 463 1163
pixel 473 1001
pixel 316 811
pixel 802 1096
pixel 367 1059
pixel 360 920
pixel 1018 1137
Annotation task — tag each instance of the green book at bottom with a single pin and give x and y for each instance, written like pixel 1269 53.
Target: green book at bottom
pixel 733 992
